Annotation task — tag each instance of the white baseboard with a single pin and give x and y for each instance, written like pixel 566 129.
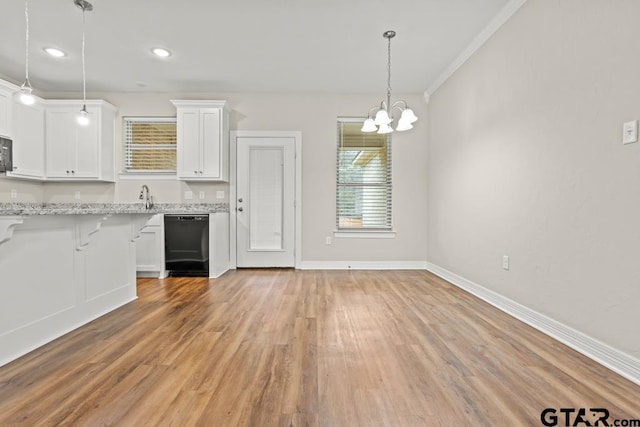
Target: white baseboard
pixel 616 360
pixel 362 265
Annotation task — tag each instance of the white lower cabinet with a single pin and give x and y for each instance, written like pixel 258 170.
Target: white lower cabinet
pixel 150 249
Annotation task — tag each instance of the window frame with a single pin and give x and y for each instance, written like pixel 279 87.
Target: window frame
pixel 364 232
pixel 135 174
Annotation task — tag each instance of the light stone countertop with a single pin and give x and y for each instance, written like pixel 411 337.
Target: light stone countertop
pixel 7 209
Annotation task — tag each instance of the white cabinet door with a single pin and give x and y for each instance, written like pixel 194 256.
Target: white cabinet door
pixel 210 142
pixel 59 143
pixel 86 146
pixel 189 148
pixel 150 249
pixel 28 141
pixel 6 95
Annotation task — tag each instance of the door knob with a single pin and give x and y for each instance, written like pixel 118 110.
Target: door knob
pixel 240 209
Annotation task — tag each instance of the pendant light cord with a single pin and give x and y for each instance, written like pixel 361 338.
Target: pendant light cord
pixel 84 76
pixel 26 53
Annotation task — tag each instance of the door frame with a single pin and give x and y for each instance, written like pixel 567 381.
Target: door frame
pixel 233 167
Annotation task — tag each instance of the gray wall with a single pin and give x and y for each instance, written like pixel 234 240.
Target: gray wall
pixel 525 159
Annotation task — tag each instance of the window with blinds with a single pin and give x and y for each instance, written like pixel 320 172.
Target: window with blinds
pixel 363 196
pixel 150 144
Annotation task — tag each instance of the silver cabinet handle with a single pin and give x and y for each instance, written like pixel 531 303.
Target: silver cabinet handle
pixel 240 199
pixel 240 209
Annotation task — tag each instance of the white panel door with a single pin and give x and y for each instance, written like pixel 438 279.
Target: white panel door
pixel 265 202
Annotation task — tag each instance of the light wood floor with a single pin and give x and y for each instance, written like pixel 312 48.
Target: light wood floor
pixel 297 348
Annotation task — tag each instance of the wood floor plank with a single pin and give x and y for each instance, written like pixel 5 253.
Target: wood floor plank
pixel 278 347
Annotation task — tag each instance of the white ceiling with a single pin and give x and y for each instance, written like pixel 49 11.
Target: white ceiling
pixel 242 45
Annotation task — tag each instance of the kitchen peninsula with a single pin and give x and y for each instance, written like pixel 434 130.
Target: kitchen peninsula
pixel 64 265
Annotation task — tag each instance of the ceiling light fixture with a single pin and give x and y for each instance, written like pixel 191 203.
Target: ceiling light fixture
pixel 383 118
pixel 83 115
pixel 56 53
pixel 25 93
pixel 161 52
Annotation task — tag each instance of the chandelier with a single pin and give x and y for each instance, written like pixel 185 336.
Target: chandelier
pixel 383 118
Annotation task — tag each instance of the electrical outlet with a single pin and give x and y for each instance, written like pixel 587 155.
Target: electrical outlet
pixel 327 240
pixel 188 195
pixel 220 194
pixel 201 195
pixel 505 262
pixel 76 195
pixel 14 194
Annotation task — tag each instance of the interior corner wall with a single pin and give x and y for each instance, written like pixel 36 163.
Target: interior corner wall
pixel 526 159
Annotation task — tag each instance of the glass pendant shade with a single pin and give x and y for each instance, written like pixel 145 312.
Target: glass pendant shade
pixel 407 114
pixel 385 129
pixel 83 116
pixel 369 126
pixel 403 125
pixel 25 96
pixel 382 118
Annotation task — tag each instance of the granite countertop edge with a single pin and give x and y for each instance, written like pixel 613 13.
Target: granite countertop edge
pixel 9 209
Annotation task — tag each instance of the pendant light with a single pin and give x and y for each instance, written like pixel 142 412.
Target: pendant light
pixel 83 115
pixel 25 94
pixel 383 118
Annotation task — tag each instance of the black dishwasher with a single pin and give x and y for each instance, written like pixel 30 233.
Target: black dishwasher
pixel 186 245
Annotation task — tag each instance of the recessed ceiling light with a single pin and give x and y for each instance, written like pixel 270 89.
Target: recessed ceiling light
pixel 160 52
pixel 56 53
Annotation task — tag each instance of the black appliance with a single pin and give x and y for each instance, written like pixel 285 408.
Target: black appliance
pixel 6 155
pixel 186 244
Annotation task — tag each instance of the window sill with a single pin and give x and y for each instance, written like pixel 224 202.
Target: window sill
pixel 364 234
pixel 151 176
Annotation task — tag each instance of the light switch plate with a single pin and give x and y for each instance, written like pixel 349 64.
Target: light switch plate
pixel 630 132
pixel 188 195
pixel 220 194
pixel 201 195
pixel 14 194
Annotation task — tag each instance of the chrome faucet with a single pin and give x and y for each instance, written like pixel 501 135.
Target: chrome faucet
pixel 147 197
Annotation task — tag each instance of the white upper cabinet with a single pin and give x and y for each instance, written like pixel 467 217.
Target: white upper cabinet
pixel 6 95
pixel 203 140
pixel 28 141
pixel 76 152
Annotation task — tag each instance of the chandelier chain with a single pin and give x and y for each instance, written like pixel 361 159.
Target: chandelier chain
pixel 389 72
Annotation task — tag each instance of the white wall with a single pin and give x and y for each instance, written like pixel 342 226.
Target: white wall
pixel 525 159
pixel 315 116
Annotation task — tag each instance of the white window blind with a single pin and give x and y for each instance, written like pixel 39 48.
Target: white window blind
pixel 150 144
pixel 363 196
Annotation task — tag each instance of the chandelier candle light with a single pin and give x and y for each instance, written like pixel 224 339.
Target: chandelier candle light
pixel 25 93
pixel 383 118
pixel 83 115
